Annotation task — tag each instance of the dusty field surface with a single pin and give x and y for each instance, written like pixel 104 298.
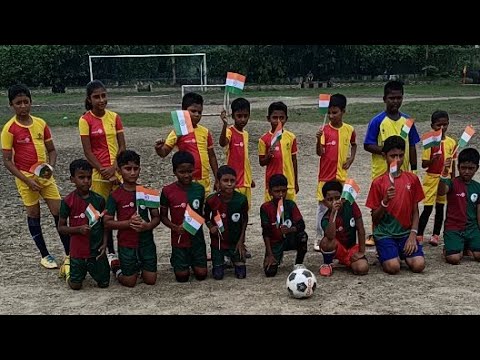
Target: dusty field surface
pixel 27 288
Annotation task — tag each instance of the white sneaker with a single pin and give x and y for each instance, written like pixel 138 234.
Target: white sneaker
pixel 113 261
pixel 316 246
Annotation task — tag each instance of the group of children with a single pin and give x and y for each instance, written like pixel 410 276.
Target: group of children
pixel 106 186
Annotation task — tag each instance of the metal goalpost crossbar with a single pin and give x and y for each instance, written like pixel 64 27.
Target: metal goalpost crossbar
pixel 226 97
pixel 203 65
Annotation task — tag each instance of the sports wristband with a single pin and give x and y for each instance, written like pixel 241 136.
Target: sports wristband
pixel 383 204
pixel 414 231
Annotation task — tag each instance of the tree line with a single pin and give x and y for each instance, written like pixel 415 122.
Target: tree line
pixel 47 65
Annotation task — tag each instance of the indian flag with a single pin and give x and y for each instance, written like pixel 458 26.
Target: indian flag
pixel 149 198
pixel 350 191
pixel 277 135
pixel 219 222
pixel 431 139
pixel 280 213
pixel 42 170
pixel 93 215
pixel 192 222
pixel 393 170
pixel 406 128
pixel 182 122
pixel 466 136
pixel 323 102
pixel 235 83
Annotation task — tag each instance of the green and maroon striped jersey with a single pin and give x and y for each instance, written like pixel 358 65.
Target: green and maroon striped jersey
pixel 268 217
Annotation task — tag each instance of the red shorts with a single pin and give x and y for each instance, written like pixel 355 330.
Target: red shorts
pixel 343 254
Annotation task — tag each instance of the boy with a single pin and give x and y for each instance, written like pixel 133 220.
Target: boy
pixel 394 198
pixel 26 140
pixel 136 249
pixel 281 158
pixel 199 143
pixel 333 143
pixel 289 235
pixel 462 223
pixel 382 126
pixel 187 251
pixel 433 160
pixel 235 141
pixel 341 223
pixel 232 206
pixel 88 243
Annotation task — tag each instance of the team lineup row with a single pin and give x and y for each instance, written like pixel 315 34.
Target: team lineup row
pixel 102 138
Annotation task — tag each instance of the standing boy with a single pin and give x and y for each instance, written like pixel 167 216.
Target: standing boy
pixel 26 144
pixel 280 157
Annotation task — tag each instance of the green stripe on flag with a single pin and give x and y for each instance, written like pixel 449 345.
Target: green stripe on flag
pixel 234 90
pixel 189 228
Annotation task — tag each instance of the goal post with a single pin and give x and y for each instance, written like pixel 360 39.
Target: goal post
pixel 203 64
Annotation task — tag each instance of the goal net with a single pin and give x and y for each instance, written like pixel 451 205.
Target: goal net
pixel 152 69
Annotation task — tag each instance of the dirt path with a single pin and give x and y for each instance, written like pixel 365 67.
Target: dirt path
pixel 29 289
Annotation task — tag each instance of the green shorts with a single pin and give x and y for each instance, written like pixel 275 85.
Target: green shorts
pixel 132 260
pixel 99 270
pixel 184 258
pixel 457 241
pixel 218 256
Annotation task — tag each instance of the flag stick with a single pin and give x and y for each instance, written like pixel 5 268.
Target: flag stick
pixel 179 237
pixel 335 215
pixel 225 99
pixel 324 120
pixel 453 159
pixel 220 238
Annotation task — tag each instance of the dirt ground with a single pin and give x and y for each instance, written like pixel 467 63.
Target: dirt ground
pixel 27 288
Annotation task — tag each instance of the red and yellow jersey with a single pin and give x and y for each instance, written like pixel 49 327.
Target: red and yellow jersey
pixel 26 142
pixel 448 146
pixel 237 156
pixel 103 135
pixel 336 143
pixel 197 143
pixel 397 221
pixel 281 163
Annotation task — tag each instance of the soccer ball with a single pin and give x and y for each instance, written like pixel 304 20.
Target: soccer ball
pixel 301 283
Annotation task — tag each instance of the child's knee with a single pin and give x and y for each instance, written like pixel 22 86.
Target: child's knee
pixel 200 273
pixel 218 272
pixel 241 271
pixel 391 267
pixel 182 276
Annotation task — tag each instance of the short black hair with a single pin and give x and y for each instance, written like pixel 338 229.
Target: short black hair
pixel 469 155
pixel 393 142
pixel 18 89
pixel 393 85
pixel 277 180
pixel 190 99
pixel 331 186
pixel 128 156
pixel 438 115
pixel 338 100
pixel 278 105
pixel 225 170
pixel 79 164
pixel 240 104
pixel 182 157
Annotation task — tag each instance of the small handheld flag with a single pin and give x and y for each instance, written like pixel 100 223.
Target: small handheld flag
pixel 393 171
pixel 219 222
pixel 406 128
pixel 235 83
pixel 192 222
pixel 280 213
pixel 323 102
pixel 93 215
pixel 277 135
pixel 431 139
pixel 149 198
pixel 42 170
pixel 182 122
pixel 350 191
pixel 466 136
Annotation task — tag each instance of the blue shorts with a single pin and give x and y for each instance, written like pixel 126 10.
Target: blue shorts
pixel 388 248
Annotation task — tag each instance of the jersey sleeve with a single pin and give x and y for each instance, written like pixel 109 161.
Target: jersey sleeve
pixel 118 124
pixel 83 127
pixel 356 211
pixel 413 137
pixel 419 194
pixel 64 210
pixel 171 140
pixel 209 141
pixel 353 138
pixel 111 206
pixel 374 196
pixel 164 200
pixel 294 146
pixel 373 129
pixel 7 139
pixel 47 134
pixel 262 147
